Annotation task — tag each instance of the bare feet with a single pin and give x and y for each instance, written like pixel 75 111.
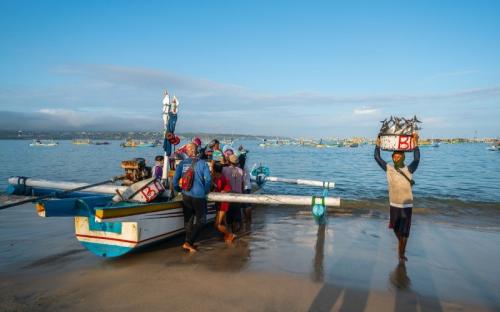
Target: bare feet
pixel 188 247
pixel 229 238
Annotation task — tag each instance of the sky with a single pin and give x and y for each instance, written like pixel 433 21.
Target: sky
pixel 286 68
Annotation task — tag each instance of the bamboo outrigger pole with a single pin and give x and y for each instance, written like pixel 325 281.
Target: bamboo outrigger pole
pixel 293 200
pixel 323 184
pixel 218 197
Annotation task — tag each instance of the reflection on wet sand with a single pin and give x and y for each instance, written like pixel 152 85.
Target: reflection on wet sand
pixel 399 278
pixel 319 254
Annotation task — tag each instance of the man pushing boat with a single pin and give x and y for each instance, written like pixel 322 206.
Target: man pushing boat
pixel 400 182
pixel 192 177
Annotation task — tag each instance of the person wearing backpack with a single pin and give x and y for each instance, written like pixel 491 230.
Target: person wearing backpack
pixel 192 177
pixel 400 182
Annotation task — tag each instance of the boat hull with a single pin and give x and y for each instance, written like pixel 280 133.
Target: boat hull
pixel 112 230
pixel 116 236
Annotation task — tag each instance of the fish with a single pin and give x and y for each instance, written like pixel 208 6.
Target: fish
pixel 399 125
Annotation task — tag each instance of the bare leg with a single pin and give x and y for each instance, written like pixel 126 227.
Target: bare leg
pixel 402 247
pixel 220 222
pixel 403 242
pixel 248 214
pixel 220 225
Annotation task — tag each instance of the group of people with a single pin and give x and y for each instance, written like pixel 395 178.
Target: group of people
pixel 213 169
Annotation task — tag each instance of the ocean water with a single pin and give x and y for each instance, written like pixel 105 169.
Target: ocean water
pixel 459 174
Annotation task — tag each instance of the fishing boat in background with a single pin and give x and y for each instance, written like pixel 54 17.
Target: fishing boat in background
pixel 102 143
pixel 137 143
pixel 495 146
pixel 82 141
pixel 428 143
pixel 321 144
pixel 44 143
pixel 227 141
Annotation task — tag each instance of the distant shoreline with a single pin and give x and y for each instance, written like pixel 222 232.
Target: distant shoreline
pixel 156 135
pixel 115 135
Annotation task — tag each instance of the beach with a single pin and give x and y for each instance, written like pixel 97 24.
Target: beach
pixel 285 262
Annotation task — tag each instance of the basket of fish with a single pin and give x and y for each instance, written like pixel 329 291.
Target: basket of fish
pixel 396 134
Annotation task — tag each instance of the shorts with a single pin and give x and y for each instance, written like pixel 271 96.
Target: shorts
pixel 400 221
pixel 223 206
pixel 234 213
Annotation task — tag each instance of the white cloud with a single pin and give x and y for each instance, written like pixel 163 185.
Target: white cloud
pixel 366 111
pixel 87 96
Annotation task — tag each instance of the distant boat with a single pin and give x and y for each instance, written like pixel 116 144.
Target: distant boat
pixel 102 143
pixel 354 144
pixel 428 143
pixel 227 141
pixel 82 141
pixel 321 144
pixel 135 143
pixel 495 146
pixel 44 143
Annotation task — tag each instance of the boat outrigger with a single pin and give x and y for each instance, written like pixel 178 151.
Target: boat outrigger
pixel 112 220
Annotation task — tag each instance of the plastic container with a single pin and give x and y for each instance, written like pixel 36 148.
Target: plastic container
pixel 397 142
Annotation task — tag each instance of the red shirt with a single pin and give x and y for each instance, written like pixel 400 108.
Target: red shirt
pixel 222 185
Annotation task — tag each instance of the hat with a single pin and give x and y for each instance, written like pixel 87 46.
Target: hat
pixel 197 141
pixel 213 143
pixel 234 159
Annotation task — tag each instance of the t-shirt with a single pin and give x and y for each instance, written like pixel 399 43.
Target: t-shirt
pixel 400 193
pixel 222 184
pixel 217 155
pixel 235 177
pixel 158 171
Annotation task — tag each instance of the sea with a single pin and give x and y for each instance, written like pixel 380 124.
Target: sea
pixel 467 173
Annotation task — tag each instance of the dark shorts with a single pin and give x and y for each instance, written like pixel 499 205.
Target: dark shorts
pixel 234 213
pixel 400 221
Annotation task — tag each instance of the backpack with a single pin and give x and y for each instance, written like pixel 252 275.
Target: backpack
pixel 188 177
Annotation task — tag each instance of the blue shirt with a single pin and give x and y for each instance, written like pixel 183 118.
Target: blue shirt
pixel 202 178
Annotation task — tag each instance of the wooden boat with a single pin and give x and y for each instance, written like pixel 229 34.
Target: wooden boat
pixel 82 141
pixel 135 143
pixel 41 143
pixel 495 146
pixel 321 144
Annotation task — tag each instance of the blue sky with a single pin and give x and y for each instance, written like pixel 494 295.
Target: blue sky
pixel 313 69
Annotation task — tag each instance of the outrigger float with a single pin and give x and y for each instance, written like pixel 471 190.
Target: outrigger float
pixel 112 220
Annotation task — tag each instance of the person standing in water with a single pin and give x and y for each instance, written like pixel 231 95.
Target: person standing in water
pixel 400 182
pixel 194 200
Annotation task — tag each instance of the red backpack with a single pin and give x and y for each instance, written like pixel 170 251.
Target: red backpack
pixel 188 177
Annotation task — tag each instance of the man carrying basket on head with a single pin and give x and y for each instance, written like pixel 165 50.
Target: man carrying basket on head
pixel 400 182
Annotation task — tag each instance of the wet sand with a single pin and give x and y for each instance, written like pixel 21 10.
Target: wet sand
pixel 285 263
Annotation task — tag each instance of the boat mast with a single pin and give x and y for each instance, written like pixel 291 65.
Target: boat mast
pixel 166 163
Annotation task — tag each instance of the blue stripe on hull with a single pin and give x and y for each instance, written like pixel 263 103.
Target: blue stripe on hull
pixel 107 251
